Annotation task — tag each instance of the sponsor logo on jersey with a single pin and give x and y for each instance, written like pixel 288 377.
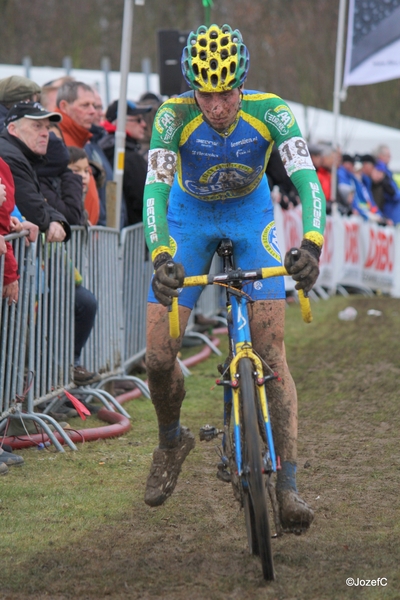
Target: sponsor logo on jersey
pixel 317 204
pixel 167 124
pixel 281 118
pixel 270 241
pixel 173 246
pixel 242 142
pixel 225 179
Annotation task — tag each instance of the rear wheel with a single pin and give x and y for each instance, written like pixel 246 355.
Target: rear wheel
pixel 255 499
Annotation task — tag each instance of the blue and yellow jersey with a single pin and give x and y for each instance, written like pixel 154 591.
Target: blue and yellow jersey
pixel 208 165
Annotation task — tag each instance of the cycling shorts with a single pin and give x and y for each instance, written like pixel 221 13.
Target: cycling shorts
pixel 196 227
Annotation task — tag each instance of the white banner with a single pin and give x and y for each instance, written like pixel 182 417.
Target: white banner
pixel 373 42
pixel 356 253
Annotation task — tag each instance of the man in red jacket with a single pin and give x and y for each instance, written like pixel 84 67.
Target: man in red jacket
pixel 76 104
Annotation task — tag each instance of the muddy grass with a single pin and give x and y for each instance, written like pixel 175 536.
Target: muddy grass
pixel 194 547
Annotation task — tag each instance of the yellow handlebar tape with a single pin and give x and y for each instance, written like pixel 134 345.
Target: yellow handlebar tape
pixel 305 307
pixel 173 316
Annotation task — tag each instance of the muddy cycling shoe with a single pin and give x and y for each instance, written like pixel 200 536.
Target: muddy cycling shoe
pixel 295 514
pixel 165 469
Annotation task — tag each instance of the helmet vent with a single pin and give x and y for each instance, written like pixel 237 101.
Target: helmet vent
pixel 213 34
pixel 224 41
pixel 224 54
pixel 213 64
pixel 233 50
pixel 204 74
pixel 203 55
pixel 193 52
pixel 214 80
pixel 195 69
pixel 232 67
pixel 203 42
pixel 224 73
pixel 213 47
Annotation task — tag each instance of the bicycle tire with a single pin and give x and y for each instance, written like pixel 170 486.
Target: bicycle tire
pixel 255 504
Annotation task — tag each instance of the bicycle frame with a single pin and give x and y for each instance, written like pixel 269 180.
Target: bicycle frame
pixel 240 337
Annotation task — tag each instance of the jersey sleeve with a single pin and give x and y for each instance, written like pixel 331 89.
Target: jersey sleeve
pixel 161 169
pixel 296 158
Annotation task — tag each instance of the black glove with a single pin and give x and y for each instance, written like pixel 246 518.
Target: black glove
pixel 303 264
pixel 168 277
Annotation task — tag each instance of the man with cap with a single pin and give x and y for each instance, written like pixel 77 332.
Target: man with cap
pixel 23 144
pixel 16 89
pixel 135 169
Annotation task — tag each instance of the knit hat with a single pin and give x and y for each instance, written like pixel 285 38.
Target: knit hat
pixel 16 88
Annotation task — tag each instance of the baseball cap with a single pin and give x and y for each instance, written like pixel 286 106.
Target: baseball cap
pixel 30 110
pixel 132 109
pixel 17 88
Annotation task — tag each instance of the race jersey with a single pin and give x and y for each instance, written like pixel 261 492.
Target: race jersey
pixel 210 166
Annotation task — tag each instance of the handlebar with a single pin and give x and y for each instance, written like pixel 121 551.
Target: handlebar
pixel 229 278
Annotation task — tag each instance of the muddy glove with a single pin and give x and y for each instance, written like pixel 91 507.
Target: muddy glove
pixel 303 264
pixel 168 277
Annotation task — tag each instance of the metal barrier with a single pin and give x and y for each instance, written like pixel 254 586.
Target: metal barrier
pixel 136 277
pixel 14 319
pixel 38 333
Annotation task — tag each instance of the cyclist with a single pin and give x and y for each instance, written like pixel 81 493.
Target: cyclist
pixel 206 180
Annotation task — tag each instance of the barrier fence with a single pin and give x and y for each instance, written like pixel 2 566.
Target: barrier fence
pixel 37 333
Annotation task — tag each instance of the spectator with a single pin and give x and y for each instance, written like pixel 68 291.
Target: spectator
pixel 360 199
pixel 328 157
pixel 48 96
pixel 85 301
pixel 155 101
pixel 373 179
pixel 99 161
pixel 59 185
pixel 99 108
pixel 391 191
pixel 135 170
pixel 16 89
pixel 10 279
pixel 23 144
pixel 346 185
pixel 75 102
pixel 78 163
pixel 284 191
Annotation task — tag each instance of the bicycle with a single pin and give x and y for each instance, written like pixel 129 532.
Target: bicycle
pixel 248 457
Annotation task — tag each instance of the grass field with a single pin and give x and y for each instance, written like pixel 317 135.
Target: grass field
pixel 74 525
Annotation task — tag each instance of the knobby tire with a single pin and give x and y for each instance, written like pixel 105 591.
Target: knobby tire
pixel 255 498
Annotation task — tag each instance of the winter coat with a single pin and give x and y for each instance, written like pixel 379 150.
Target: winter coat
pixel 28 195
pixel 60 186
pixel 75 135
pixel 10 264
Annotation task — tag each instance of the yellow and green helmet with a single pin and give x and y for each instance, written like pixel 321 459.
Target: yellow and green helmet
pixel 215 59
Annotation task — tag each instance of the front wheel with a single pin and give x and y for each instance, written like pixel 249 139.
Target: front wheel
pixel 255 499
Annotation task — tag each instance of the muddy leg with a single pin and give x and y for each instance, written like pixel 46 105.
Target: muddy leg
pixel 268 341
pixel 165 378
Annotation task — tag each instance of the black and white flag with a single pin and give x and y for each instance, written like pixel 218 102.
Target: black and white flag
pixel 373 42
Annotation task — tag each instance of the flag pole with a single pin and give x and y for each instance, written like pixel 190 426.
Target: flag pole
pixel 120 135
pixel 337 92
